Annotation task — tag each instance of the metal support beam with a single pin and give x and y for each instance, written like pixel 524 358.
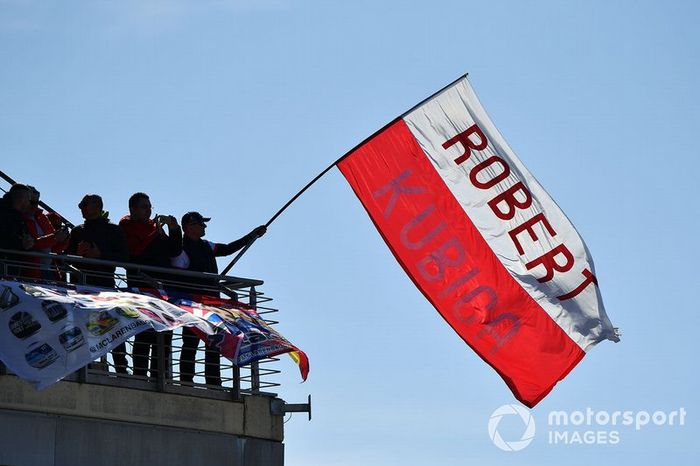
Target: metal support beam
pixel 280 407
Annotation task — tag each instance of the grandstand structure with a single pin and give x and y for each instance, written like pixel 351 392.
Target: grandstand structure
pixel 97 415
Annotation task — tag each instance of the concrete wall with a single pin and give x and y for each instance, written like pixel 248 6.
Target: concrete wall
pixel 80 424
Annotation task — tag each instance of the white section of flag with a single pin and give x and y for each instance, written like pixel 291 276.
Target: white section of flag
pixel 451 112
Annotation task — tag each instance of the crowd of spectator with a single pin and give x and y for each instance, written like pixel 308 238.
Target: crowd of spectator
pixel 139 238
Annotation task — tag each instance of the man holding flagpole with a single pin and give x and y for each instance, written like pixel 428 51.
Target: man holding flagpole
pixel 200 255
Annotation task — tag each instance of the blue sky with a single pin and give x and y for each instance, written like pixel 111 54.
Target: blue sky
pixel 229 107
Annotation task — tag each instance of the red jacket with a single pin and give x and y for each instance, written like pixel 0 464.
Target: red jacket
pixel 43 241
pixel 148 244
pixel 46 240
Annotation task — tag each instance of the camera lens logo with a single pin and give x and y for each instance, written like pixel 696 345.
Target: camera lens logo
pixel 22 325
pixel 528 433
pixel 54 310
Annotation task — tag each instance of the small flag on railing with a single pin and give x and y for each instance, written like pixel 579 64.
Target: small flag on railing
pixel 482 240
pixel 243 336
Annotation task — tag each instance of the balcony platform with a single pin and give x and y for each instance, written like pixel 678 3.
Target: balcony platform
pixel 78 424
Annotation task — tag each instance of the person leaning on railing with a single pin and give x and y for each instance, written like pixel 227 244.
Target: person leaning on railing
pixel 13 229
pixel 98 238
pixel 148 244
pixel 200 256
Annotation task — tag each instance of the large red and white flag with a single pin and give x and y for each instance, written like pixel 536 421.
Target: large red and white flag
pixel 482 240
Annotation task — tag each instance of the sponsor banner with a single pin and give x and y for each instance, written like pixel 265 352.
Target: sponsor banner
pixel 48 332
pixel 482 240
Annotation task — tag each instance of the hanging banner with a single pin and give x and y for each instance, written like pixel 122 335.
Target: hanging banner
pixel 48 332
pixel 482 240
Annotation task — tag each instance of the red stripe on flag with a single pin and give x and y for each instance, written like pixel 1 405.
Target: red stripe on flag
pixel 449 261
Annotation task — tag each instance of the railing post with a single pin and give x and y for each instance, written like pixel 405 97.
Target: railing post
pixel 161 361
pixel 82 373
pixel 254 366
pixel 236 388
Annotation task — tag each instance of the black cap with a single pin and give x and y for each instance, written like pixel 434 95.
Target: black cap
pixel 193 217
pixel 88 198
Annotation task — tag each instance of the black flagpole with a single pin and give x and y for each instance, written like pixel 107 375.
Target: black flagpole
pixel 310 183
pixel 41 203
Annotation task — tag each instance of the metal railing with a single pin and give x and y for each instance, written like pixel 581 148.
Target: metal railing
pixel 67 270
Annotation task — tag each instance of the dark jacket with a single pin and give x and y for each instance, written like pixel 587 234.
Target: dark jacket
pixel 111 242
pixel 200 256
pixel 12 228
